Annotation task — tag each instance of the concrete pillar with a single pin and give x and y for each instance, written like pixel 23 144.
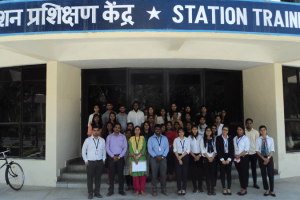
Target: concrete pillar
pixel 263 102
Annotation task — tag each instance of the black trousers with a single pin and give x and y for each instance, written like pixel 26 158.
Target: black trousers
pixel 209 170
pixel 196 168
pixel 225 169
pixel 253 161
pixel 182 172
pixel 171 160
pixel 94 170
pixel 216 171
pixel 243 169
pixel 263 169
pixel 129 180
pixel 119 165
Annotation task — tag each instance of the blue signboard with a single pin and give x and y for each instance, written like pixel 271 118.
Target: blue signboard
pixel 53 16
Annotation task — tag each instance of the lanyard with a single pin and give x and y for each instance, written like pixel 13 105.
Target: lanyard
pixel 95 143
pixel 225 141
pixel 160 140
pixel 136 143
pixel 238 141
pixel 182 146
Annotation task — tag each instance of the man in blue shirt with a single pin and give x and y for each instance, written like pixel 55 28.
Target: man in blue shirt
pixel 158 148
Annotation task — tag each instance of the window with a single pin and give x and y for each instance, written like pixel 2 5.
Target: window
pixel 291 107
pixel 23 111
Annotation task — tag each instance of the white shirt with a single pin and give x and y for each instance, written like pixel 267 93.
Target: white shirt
pixel 195 144
pixel 252 135
pixel 204 150
pixel 243 144
pixel 90 119
pixel 137 118
pixel 220 129
pixel 270 142
pixel 178 144
pixel 159 120
pixel 201 129
pixel 89 151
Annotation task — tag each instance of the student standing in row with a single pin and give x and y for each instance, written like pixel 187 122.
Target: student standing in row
pixel 162 119
pixel 218 124
pixel 196 160
pixel 127 161
pixel 265 149
pixel 172 110
pixel 137 148
pixel 225 151
pixel 252 134
pixel 122 118
pixel 188 129
pixel 96 111
pixel 150 112
pixel 204 114
pixel 94 155
pixel 175 116
pixel 241 158
pixel 208 149
pixel 116 147
pixel 171 135
pixel 181 149
pixel 105 116
pixel 202 126
pixel 136 116
pixel 95 122
pixel 151 122
pixel 158 147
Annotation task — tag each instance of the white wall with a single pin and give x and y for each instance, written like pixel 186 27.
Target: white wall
pixel 62 126
pixel 263 102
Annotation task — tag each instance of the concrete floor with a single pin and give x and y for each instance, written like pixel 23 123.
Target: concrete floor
pixel 287 189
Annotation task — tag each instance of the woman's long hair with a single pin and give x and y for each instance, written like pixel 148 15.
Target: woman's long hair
pixel 205 137
pixel 115 120
pixel 192 136
pixel 149 134
pixel 106 130
pixel 165 119
pixel 171 111
pixel 192 114
pixel 94 122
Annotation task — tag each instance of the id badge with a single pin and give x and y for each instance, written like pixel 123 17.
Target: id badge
pixel 96 152
pixel 237 148
pixel 182 150
pixel 159 149
pixel 226 149
pixel 137 151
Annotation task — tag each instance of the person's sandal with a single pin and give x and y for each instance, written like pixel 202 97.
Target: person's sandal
pixel 136 193
pixel 183 192
pixel 143 193
pixel 179 192
pixel 224 192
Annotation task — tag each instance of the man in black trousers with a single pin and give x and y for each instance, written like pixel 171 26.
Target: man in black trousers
pixel 94 155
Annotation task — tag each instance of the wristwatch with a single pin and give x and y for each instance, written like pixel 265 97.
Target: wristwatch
pixel 119 157
pixel 268 157
pixel 162 157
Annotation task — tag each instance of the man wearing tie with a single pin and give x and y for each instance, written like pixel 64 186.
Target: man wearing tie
pixel 94 155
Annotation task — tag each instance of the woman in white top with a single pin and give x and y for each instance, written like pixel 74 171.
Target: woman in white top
pixel 265 149
pixel 150 111
pixel 162 119
pixel 241 148
pixel 96 111
pixel 170 113
pixel 196 160
pixel 218 124
pixel 208 150
pixel 181 148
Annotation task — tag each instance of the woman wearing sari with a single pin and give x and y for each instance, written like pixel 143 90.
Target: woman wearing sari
pixel 137 150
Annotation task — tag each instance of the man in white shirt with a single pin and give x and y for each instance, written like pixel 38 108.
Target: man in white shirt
pixel 94 155
pixel 252 134
pixel 136 116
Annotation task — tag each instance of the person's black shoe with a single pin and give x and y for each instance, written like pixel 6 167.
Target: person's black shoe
pixel 272 194
pixel 213 192
pixel 90 196
pixel 200 190
pixel 195 191
pixel 266 194
pixel 109 194
pixel 256 186
pixel 122 193
pixel 98 195
pixel 242 194
pixel 209 193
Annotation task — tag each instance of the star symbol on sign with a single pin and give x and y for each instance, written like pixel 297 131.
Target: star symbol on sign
pixel 153 13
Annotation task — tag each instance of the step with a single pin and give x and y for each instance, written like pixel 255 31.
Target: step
pixel 83 184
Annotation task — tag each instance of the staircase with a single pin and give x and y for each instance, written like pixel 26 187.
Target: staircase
pixel 75 177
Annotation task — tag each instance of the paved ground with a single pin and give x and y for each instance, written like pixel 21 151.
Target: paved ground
pixel 287 189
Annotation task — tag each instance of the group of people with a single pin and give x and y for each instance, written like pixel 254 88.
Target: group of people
pixel 193 144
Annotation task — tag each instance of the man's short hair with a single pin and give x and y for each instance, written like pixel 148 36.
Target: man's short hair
pixel 93 127
pixel 248 120
pixel 109 103
pixel 157 126
pixel 117 124
pixel 262 126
